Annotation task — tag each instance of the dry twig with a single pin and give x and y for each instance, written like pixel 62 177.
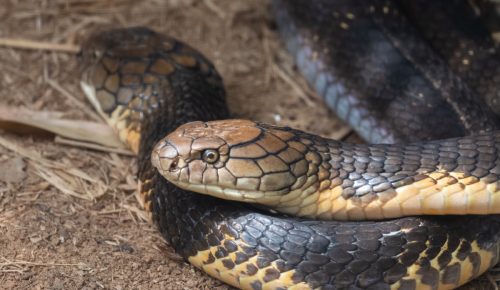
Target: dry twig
pixel 73 100
pixel 213 7
pixel 38 45
pixel 93 146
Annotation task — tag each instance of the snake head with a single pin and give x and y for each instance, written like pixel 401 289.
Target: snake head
pixel 233 159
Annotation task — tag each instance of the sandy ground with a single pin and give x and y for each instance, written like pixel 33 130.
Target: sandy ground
pixel 68 216
pixel 52 240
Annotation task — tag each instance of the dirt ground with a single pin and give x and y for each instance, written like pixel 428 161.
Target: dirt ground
pixel 92 236
pixel 69 218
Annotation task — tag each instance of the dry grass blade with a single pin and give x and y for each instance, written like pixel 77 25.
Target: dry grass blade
pixel 69 180
pixel 143 215
pixel 302 93
pixel 74 129
pixel 55 180
pixel 212 6
pixel 30 154
pixel 55 85
pixel 92 146
pixel 38 45
pixel 307 94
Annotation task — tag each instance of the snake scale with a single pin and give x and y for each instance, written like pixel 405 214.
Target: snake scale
pixel 146 85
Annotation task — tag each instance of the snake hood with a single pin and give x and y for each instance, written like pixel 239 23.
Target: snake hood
pixel 233 159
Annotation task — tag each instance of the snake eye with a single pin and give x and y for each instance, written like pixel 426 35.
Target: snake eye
pixel 210 156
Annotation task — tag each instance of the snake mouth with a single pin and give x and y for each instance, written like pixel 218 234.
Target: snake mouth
pixel 220 192
pixel 241 195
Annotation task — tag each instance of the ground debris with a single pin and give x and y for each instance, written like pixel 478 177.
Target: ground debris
pixel 12 170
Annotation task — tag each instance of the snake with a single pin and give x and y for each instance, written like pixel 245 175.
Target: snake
pixel 304 175
pixel 151 88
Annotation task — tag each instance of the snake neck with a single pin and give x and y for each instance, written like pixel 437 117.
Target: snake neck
pixel 354 182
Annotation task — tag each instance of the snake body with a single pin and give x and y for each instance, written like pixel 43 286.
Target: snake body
pixel 378 68
pixel 146 85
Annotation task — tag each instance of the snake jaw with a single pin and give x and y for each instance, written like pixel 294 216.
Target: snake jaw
pixel 247 196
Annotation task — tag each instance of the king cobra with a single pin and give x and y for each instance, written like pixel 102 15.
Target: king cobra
pixel 146 85
pixel 305 175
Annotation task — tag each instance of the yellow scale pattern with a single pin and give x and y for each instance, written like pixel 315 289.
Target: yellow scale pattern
pixel 440 193
pixel 487 259
pixel 128 132
pixel 238 275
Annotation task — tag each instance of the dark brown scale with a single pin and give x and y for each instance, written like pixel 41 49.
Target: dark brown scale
pixel 451 274
pixel 228 263
pixel 444 258
pixel 240 258
pixel 431 278
pixel 476 261
pixel 220 253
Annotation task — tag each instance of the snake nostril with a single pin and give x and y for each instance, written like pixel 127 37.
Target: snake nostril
pixel 173 165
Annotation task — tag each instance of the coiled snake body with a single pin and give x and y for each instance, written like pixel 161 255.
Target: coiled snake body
pixel 146 85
